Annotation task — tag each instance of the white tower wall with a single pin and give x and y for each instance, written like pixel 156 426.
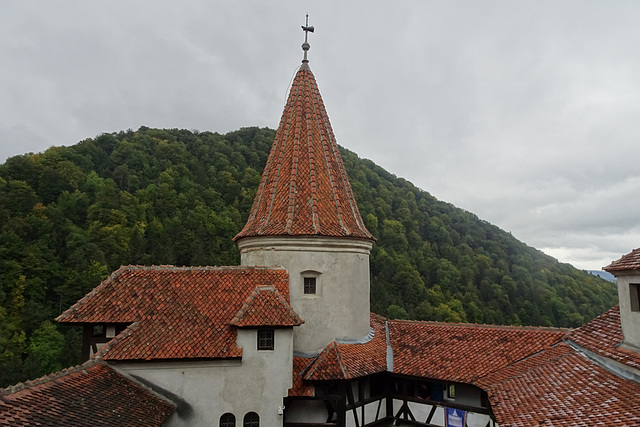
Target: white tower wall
pixel 340 307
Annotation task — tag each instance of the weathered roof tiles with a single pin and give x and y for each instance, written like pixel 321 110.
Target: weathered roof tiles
pixel 92 393
pixel 179 312
pixel 305 190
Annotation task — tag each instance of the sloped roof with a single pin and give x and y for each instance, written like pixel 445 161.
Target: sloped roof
pixel 561 387
pixel 463 352
pixel 92 393
pixel 299 386
pixel 176 312
pixel 630 261
pixel 603 336
pixel 266 307
pixel 304 190
pixel 340 361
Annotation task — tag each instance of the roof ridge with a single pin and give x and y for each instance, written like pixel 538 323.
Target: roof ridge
pixel 198 268
pixel 484 325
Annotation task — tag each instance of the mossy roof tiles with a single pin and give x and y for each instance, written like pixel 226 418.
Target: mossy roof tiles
pixel 89 394
pixel 180 312
pixel 305 190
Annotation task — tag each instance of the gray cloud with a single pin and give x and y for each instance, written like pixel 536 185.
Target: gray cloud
pixel 521 112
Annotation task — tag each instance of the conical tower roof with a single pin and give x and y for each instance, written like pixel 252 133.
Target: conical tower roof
pixel 305 190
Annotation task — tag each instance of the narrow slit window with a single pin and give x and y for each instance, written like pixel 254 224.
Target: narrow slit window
pixel 310 286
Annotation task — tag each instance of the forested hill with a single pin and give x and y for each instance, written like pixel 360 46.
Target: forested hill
pixel 72 215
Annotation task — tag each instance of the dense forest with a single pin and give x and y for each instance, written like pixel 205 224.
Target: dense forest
pixel 71 215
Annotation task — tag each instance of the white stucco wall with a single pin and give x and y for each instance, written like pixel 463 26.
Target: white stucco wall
pixel 630 320
pixel 341 306
pixel 258 383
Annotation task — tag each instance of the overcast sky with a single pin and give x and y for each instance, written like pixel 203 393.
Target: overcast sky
pixel 520 112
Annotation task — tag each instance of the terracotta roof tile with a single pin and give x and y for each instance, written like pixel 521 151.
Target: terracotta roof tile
pixel 345 361
pixel 90 392
pixel 463 352
pixel 603 335
pixel 300 387
pixel 179 312
pixel 305 190
pixel 266 307
pixel 630 261
pixel 561 387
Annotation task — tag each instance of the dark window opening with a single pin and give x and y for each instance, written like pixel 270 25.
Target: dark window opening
pixel 451 391
pixel 309 285
pixel 251 420
pixel 266 339
pixel 634 289
pixel 228 420
pixel 98 331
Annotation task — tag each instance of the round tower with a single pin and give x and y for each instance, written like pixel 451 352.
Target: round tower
pixel 304 217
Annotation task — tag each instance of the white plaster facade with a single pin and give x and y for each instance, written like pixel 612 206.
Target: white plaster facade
pixel 629 319
pixel 340 308
pixel 256 383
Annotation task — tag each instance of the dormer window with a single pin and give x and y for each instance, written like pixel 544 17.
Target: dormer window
pixel 266 339
pixel 634 293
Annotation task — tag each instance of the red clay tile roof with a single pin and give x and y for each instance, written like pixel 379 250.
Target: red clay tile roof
pixel 561 387
pixel 345 361
pixel 304 190
pixel 300 387
pixel 603 336
pixel 630 261
pixel 179 312
pixel 463 352
pixel 266 307
pixel 89 394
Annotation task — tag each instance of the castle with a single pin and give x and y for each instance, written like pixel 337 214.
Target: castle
pixel 287 338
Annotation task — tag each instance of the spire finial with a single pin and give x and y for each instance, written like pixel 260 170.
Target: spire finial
pixel 305 46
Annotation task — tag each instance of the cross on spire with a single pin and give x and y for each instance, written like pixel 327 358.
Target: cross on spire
pixel 305 46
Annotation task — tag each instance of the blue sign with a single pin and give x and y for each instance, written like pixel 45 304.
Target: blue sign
pixel 455 417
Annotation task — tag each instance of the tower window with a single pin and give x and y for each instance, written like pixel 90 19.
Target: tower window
pixel 266 339
pixel 228 420
pixel 251 420
pixel 634 290
pixel 310 286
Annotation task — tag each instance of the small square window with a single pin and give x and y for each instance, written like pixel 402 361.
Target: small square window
pixel 266 339
pixel 309 285
pixel 634 291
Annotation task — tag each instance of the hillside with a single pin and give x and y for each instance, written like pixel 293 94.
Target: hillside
pixel 71 215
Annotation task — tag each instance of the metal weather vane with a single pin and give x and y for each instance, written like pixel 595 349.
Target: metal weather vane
pixel 305 46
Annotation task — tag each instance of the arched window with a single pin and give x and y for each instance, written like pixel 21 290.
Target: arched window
pixel 228 420
pixel 251 420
